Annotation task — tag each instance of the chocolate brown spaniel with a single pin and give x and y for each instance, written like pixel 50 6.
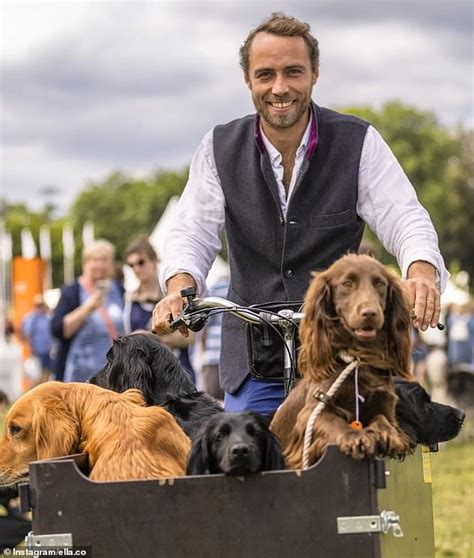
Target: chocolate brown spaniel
pixel 359 308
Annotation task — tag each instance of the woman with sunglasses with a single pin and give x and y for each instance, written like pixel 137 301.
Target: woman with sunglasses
pixel 142 258
pixel 139 305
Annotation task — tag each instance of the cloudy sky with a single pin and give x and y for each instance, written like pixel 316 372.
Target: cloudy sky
pixel 89 87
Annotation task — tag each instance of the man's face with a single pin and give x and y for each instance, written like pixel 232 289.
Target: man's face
pixel 280 78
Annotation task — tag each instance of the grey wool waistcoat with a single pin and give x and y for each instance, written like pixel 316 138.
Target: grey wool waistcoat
pixel 270 257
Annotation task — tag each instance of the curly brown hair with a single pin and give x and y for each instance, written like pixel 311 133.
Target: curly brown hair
pixel 284 26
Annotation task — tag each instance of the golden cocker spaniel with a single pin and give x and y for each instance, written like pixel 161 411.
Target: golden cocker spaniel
pixel 124 439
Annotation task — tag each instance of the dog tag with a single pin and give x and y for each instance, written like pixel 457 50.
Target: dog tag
pixel 356 425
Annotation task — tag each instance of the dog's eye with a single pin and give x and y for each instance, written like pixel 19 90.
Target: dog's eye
pixel 250 428
pixel 379 284
pixel 221 435
pixel 348 283
pixel 15 429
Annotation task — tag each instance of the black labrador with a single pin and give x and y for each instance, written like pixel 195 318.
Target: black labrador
pixel 235 444
pixel 141 361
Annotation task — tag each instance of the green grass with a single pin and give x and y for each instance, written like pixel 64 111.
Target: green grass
pixel 453 500
pixel 453 497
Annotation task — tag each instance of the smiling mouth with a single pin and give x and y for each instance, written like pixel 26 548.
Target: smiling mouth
pixel 281 105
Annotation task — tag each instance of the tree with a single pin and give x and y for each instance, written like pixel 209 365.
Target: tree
pixel 122 207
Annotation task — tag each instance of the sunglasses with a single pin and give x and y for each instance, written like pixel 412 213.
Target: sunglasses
pixel 138 263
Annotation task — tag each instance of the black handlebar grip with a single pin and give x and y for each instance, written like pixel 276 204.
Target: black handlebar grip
pixel 188 291
pixel 190 294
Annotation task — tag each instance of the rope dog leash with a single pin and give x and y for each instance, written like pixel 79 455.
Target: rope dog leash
pixel 308 435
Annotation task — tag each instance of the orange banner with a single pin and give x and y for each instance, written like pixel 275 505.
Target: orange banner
pixel 27 281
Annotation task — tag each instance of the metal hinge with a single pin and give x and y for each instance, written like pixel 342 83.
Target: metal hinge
pixel 383 523
pixel 62 540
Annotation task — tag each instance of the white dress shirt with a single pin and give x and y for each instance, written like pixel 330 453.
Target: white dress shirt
pixel 387 202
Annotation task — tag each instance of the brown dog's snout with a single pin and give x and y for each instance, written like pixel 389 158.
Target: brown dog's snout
pixel 368 312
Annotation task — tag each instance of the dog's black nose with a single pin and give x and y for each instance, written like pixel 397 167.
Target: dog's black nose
pixel 460 415
pixel 239 450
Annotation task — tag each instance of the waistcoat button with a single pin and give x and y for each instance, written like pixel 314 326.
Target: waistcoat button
pixel 288 273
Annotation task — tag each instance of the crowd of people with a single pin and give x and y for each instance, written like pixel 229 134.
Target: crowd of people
pixel 70 342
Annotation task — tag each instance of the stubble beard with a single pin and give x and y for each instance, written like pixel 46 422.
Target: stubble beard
pixel 285 120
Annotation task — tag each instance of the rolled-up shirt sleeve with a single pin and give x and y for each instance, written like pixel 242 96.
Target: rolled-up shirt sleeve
pixel 193 240
pixel 389 205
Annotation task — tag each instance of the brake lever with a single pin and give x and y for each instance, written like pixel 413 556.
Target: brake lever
pixel 177 322
pixel 197 322
pixel 194 323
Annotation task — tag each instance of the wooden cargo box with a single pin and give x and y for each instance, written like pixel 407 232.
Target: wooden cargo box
pixel 337 508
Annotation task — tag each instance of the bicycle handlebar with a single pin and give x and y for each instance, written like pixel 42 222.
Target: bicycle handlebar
pixel 195 314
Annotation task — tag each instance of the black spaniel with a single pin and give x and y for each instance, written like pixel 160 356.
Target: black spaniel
pixel 425 421
pixel 141 361
pixel 235 444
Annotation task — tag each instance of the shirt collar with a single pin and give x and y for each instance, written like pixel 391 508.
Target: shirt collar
pixel 309 140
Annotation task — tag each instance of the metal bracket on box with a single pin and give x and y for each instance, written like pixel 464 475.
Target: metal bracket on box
pixel 383 523
pixel 61 540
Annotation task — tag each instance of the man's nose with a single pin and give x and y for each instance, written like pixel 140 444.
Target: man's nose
pixel 280 87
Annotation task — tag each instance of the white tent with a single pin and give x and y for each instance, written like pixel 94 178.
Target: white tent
pixel 157 239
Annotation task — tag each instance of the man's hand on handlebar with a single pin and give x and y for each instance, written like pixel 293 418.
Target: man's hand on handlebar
pixel 169 308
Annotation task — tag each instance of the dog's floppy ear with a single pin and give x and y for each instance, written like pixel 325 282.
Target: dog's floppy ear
pixel 315 329
pixel 399 327
pixel 274 460
pixel 129 367
pixel 57 432
pixel 198 461
pixel 272 456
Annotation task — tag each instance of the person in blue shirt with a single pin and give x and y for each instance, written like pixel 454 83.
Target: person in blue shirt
pixel 35 330
pixel 212 344
pixel 89 315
